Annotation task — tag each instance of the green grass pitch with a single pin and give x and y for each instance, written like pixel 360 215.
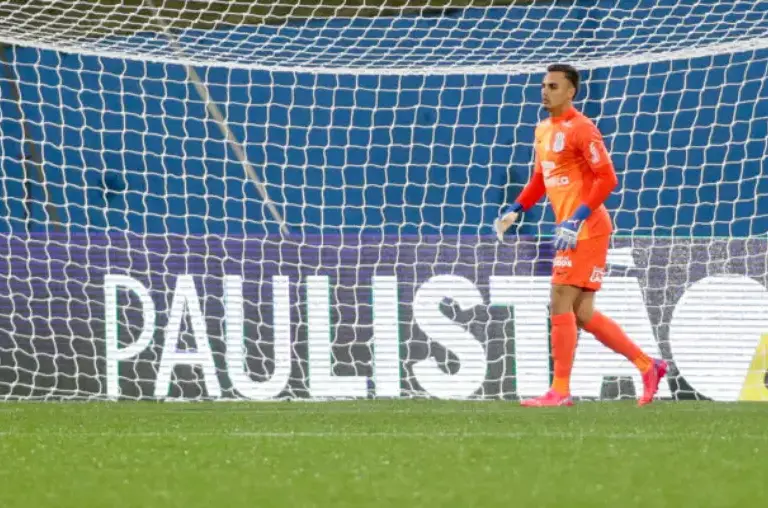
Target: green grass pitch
pixel 402 454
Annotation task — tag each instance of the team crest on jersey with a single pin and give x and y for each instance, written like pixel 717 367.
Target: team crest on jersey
pixel 559 144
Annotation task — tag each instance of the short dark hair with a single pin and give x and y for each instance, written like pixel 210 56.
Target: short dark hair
pixel 571 74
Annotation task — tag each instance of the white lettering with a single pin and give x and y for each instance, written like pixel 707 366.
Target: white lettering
pixel 114 355
pixel 562 262
pixel 440 328
pixel 621 256
pixel 621 299
pixel 715 330
pixel 556 181
pixel 529 296
pixel 185 297
pixel 322 382
pixel 236 350
pixel 386 337
pixel 720 317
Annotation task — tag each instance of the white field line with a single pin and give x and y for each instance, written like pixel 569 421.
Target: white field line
pixel 579 435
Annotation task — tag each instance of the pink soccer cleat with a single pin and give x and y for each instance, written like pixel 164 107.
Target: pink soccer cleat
pixel 549 399
pixel 651 380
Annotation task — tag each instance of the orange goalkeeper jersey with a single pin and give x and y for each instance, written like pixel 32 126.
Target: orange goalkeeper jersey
pixel 571 155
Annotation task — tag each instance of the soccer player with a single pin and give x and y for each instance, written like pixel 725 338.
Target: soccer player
pixel 573 168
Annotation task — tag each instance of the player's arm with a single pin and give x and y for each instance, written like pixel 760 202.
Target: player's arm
pixel 599 162
pixel 531 194
pixel 590 144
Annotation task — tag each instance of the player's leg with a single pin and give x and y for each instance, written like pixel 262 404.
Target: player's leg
pixel 563 335
pixel 572 274
pixel 607 331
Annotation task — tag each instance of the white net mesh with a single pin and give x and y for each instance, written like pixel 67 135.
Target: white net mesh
pixel 516 38
pixel 272 199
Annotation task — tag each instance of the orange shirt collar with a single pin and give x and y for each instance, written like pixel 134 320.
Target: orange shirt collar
pixel 567 115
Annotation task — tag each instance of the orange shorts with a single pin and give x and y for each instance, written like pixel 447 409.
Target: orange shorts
pixel 583 266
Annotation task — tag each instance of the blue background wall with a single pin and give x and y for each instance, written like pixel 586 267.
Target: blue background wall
pixel 126 144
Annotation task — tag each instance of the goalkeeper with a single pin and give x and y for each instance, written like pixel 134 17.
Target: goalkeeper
pixel 573 168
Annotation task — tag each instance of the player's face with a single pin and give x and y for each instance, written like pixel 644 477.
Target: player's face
pixel 556 92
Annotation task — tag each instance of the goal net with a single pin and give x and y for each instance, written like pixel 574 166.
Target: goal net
pixel 232 199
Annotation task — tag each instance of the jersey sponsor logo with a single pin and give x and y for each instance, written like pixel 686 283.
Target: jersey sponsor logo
pixel 562 262
pixel 559 143
pixel 552 181
pixel 547 167
pixel 595 153
pixel 556 181
pixel 598 273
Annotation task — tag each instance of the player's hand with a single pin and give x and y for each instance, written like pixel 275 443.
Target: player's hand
pixel 567 232
pixel 507 217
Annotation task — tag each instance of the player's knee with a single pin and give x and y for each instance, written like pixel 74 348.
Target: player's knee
pixel 560 293
pixel 584 309
pixel 562 300
pixel 583 316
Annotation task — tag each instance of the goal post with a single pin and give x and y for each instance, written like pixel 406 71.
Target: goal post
pixel 259 200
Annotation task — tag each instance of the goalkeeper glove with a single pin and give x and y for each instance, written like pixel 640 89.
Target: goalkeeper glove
pixel 567 232
pixel 513 208
pixel 507 216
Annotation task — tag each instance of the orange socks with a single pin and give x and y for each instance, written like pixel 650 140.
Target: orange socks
pixel 563 348
pixel 605 330
pixel 609 333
